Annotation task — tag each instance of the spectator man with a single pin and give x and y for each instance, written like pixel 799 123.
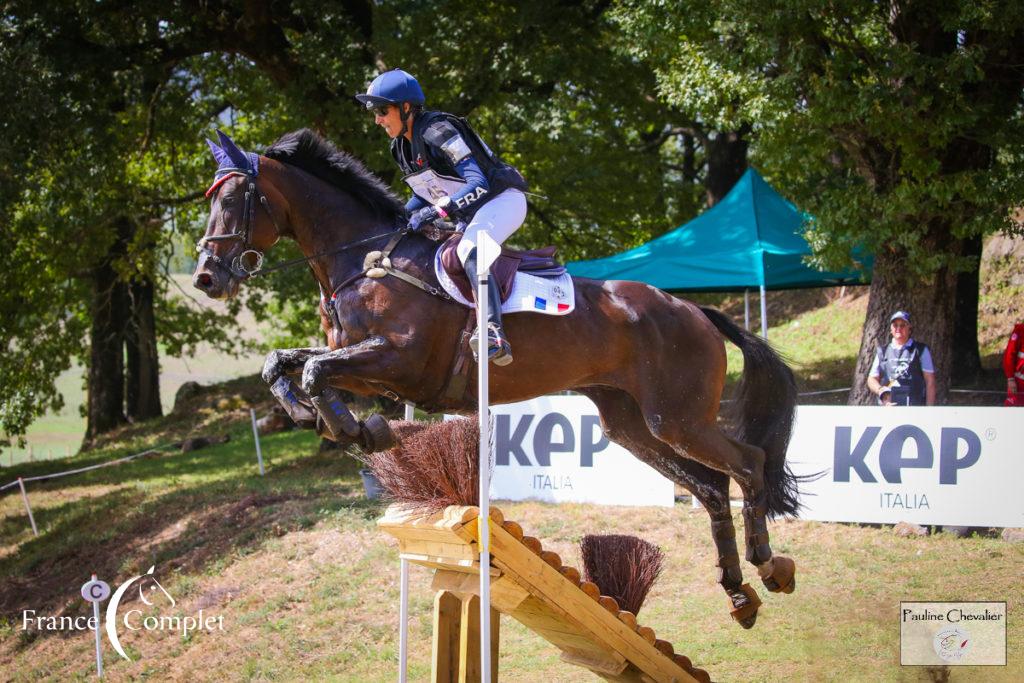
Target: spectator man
pixel 1013 367
pixel 902 373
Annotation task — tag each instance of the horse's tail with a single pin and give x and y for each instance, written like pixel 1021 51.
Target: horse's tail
pixel 762 410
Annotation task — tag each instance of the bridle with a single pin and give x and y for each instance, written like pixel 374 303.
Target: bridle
pixel 250 261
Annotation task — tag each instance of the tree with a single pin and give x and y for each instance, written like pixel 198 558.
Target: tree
pixel 114 164
pixel 897 125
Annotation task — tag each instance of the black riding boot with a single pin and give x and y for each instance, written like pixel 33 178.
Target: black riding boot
pixel 499 351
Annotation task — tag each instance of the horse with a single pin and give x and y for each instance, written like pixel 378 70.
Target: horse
pixel 653 364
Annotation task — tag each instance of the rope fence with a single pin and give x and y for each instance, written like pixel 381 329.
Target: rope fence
pixel 952 391
pixel 109 463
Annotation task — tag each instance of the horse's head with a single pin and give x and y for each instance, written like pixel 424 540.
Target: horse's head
pixel 241 225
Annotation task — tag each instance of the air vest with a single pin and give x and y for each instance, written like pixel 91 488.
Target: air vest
pixel 903 366
pixel 429 160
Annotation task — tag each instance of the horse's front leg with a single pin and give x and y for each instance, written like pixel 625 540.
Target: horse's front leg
pixel 371 360
pixel 297 403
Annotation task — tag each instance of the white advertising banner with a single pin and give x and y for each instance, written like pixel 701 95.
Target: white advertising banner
pixel 552 449
pixel 957 466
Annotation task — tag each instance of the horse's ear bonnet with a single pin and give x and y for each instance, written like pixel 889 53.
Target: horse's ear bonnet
pixel 230 157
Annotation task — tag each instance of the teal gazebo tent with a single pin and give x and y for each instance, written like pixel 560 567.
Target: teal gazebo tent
pixel 751 239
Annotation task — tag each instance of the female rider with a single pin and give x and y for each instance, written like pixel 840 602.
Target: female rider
pixel 453 175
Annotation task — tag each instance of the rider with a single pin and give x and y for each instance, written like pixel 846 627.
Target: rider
pixel 453 175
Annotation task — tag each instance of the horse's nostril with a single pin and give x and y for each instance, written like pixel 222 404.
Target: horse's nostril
pixel 203 281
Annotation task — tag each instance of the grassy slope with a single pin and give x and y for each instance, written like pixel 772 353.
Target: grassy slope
pixel 308 588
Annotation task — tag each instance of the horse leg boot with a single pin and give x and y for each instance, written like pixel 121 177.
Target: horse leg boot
pixel 778 573
pixel 744 598
pixel 499 351
pixel 294 400
pixel 370 358
pixel 339 420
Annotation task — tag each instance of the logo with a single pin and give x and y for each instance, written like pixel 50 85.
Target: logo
pixel 951 644
pixel 152 612
pixel 953 633
pixel 904 447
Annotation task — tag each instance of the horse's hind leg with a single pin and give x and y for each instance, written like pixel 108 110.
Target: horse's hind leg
pixel 705 443
pixel 777 572
pixel 624 424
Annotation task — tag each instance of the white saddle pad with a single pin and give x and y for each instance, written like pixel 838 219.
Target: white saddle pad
pixel 555 296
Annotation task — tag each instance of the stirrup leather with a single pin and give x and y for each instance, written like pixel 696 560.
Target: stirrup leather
pixel 499 351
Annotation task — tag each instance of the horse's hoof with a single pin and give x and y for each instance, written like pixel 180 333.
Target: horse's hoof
pixel 745 606
pixel 377 434
pixel 783 576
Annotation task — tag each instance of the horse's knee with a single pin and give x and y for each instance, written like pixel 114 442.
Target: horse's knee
pixel 272 367
pixel 314 378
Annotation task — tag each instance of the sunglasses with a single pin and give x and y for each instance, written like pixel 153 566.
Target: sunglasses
pixel 379 109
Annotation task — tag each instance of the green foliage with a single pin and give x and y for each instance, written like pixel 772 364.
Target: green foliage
pixel 106 105
pixel 897 130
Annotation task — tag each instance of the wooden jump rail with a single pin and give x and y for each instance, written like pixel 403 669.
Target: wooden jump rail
pixel 532 586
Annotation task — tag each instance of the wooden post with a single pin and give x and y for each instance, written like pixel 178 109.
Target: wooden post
pixel 470 639
pixel 456 651
pixel 447 611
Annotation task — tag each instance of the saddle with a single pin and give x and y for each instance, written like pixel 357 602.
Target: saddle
pixel 539 262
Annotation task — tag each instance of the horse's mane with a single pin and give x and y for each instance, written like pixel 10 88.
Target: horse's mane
pixel 307 150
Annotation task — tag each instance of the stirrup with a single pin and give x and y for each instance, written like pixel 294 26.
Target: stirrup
pixel 499 351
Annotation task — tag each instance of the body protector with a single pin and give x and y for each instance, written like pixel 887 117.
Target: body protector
pixel 901 369
pixel 441 162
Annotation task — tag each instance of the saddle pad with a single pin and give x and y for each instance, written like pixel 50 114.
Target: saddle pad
pixel 554 296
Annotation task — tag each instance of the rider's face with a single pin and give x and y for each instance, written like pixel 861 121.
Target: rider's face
pixel 391 121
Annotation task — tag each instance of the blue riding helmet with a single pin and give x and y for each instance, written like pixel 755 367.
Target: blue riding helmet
pixel 392 87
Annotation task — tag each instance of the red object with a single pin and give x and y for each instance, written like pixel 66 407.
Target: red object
pixel 1013 365
pixel 220 181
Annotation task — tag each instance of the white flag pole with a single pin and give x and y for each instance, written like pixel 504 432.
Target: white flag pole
pixel 487 251
pixel 403 625
pixel 96 591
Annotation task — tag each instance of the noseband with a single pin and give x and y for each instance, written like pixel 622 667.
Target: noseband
pixel 250 261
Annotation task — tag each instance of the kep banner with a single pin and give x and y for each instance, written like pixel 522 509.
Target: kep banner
pixel 552 449
pixel 927 465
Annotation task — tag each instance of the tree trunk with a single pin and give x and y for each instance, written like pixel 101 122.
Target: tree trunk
pixel 965 356
pixel 142 378
pixel 105 388
pixel 931 312
pixel 726 156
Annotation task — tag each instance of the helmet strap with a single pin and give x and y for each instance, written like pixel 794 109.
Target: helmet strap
pixel 405 115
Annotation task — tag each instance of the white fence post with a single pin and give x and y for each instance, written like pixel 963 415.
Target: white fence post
pixel 256 438
pixel 28 508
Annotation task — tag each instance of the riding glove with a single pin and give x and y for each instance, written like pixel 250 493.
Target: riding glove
pixel 423 218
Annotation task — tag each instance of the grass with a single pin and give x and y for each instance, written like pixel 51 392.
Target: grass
pixel 308 589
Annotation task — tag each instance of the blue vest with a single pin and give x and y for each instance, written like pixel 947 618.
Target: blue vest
pixel 430 130
pixel 904 366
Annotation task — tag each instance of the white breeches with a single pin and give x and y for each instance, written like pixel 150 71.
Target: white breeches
pixel 500 217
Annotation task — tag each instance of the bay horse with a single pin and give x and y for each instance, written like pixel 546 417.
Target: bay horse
pixel 653 364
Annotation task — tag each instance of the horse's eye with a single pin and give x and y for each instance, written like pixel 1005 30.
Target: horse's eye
pixel 228 200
